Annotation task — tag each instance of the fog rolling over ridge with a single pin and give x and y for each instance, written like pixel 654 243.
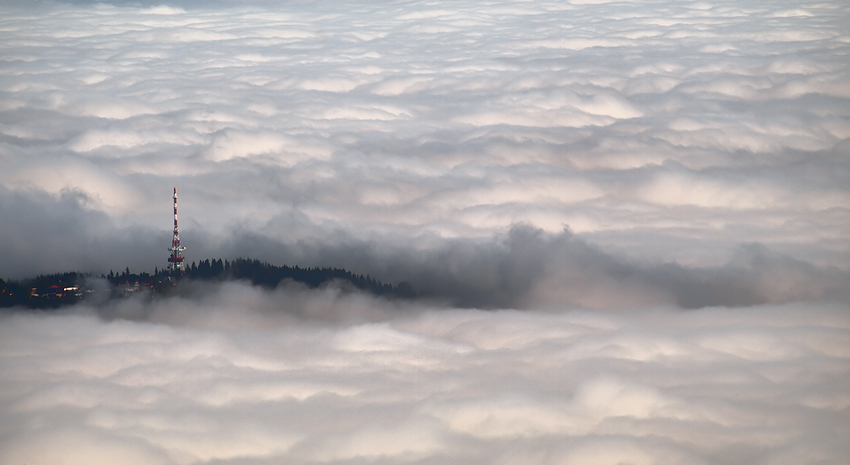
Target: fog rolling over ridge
pixel 627 224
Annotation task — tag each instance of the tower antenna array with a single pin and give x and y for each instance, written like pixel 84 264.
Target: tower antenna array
pixel 175 261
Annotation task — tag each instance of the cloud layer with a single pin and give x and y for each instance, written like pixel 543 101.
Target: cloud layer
pixel 245 376
pixel 585 170
pixel 662 130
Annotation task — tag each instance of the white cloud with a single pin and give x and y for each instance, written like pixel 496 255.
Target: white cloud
pixel 259 382
pixel 348 111
pixel 112 110
pixel 407 140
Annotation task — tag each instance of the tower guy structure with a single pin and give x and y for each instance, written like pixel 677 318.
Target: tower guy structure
pixel 175 260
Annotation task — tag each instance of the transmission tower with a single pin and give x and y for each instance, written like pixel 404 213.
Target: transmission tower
pixel 175 261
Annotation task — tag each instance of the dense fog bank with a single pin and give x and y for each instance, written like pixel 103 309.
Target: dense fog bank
pixel 661 131
pixel 321 376
pixel 627 224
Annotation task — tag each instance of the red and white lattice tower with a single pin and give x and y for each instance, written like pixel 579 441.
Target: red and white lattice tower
pixel 175 261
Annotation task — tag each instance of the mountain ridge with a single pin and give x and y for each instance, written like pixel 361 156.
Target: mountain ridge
pixel 67 288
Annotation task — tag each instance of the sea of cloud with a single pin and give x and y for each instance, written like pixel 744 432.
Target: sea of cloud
pixel 233 374
pixel 662 131
pixel 627 223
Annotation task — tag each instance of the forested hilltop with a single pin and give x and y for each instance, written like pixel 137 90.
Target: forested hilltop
pixel 56 290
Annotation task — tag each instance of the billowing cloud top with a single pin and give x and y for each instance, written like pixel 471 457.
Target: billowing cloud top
pixel 584 170
pixel 663 130
pixel 240 376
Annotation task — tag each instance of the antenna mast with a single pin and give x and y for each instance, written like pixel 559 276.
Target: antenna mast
pixel 175 261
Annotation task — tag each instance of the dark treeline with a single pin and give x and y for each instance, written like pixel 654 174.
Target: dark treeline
pixel 52 291
pixel 270 276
